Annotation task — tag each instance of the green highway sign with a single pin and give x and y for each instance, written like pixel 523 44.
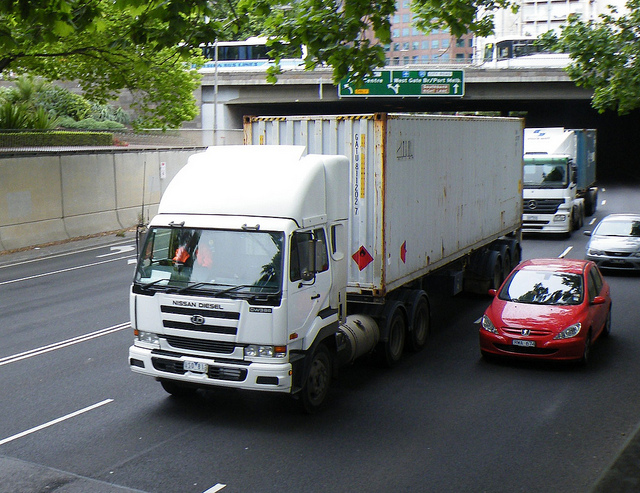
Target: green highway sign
pixel 401 83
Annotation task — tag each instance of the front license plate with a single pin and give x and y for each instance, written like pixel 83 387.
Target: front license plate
pixel 195 366
pixel 531 218
pixel 524 343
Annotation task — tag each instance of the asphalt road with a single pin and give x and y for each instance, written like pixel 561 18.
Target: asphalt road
pixel 74 418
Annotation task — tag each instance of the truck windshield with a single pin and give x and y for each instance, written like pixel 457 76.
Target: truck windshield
pixel 229 263
pixel 545 175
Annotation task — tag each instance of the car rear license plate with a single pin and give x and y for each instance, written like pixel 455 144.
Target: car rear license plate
pixel 195 366
pixel 524 343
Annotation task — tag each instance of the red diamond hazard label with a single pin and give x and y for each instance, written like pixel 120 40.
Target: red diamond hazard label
pixel 362 257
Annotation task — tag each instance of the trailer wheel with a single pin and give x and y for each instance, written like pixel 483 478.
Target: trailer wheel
pixel 505 255
pixel 496 273
pixel 318 381
pixel 420 322
pixel 393 347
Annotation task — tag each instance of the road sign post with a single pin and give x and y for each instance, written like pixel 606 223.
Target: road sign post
pixel 406 83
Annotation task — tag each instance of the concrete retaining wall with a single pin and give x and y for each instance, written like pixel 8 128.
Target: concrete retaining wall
pixel 52 196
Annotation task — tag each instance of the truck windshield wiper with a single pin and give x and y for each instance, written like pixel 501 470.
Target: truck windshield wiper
pixel 234 288
pixel 197 285
pixel 152 283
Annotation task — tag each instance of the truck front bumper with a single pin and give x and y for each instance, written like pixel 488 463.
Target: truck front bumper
pixel 546 223
pixel 269 377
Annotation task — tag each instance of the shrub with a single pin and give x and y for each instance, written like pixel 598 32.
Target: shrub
pixel 55 139
pixel 90 124
pixel 64 103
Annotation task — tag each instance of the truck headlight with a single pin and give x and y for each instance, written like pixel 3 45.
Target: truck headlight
pixel 263 351
pixel 487 325
pixel 571 331
pixel 147 337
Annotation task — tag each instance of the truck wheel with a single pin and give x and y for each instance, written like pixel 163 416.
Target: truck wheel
pixel 316 386
pixel 393 347
pixel 177 389
pixel 420 323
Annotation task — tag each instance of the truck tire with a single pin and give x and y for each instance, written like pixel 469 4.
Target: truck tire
pixel 505 255
pixel 317 381
pixel 420 321
pixel 396 331
pixel 515 251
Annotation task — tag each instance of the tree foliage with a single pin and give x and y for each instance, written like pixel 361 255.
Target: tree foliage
pixel 150 47
pixel 605 57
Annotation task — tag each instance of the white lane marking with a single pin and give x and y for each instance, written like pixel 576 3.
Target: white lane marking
pixel 603 202
pixel 566 252
pixel 66 254
pixel 69 269
pixel 62 344
pixel 55 421
pixel 115 250
pixel 593 221
pixel 216 488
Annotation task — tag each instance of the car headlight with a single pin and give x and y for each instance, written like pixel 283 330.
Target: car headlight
pixel 636 254
pixel 595 253
pixel 487 325
pixel 263 351
pixel 571 331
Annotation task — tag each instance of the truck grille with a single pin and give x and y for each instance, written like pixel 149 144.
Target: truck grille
pixel 200 319
pixel 201 345
pixel 541 206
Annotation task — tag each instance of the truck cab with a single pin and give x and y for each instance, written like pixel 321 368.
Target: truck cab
pixel 242 271
pixel 550 200
pixel 558 179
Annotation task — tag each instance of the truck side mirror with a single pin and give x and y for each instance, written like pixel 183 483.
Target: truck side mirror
pixel 308 269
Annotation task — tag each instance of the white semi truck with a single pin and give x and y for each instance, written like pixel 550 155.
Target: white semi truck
pixel 268 267
pixel 559 179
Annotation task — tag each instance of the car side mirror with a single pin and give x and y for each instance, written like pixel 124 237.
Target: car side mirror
pixel 598 300
pixel 492 292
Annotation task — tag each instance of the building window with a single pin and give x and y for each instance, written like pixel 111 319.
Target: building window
pixel 435 44
pixel 445 43
pixel 460 43
pixel 415 45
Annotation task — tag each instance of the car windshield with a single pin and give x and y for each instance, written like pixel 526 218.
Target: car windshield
pixel 543 288
pixel 216 261
pixel 545 175
pixel 619 227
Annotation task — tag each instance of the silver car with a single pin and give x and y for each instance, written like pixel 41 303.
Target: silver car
pixel 615 242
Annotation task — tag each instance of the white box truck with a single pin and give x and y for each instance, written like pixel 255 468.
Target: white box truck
pixel 269 266
pixel 559 179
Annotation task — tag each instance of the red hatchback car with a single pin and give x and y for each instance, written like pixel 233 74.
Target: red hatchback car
pixel 548 309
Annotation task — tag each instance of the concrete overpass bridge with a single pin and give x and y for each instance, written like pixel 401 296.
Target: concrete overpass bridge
pixel 544 96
